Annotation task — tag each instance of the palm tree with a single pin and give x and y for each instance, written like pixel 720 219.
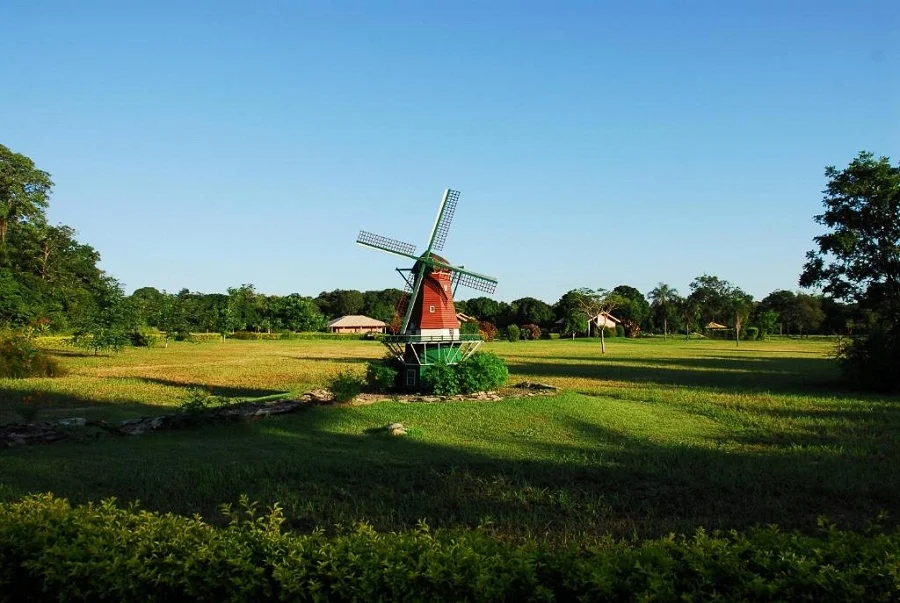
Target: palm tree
pixel 662 298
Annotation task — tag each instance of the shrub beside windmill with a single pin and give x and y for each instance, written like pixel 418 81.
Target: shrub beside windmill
pixel 428 331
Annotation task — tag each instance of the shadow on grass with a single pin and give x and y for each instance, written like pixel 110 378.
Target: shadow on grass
pixel 785 374
pixel 325 467
pixel 224 391
pixel 71 353
pixel 736 363
pixel 337 359
pixel 26 406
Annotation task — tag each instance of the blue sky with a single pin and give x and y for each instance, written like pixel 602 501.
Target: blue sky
pixel 595 144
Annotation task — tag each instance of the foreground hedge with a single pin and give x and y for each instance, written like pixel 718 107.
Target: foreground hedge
pixel 99 552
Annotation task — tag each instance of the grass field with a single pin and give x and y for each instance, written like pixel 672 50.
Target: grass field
pixel 655 436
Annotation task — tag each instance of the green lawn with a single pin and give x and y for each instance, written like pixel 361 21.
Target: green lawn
pixel 655 436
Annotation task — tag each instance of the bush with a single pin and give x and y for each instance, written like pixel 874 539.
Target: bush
pixel 531 332
pixel 513 333
pixel 870 362
pixel 145 338
pixel 204 337
pixel 483 371
pixel 251 336
pixel 620 331
pixel 182 335
pixel 383 375
pixel 441 378
pixel 345 386
pixel 469 327
pixel 50 550
pixel 487 330
pixel 20 357
pixel 199 399
pixel 752 334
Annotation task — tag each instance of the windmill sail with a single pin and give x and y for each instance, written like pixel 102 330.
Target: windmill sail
pixel 385 244
pixel 444 219
pixel 479 283
pixel 467 278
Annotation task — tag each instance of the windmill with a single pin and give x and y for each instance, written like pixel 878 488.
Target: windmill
pixel 429 329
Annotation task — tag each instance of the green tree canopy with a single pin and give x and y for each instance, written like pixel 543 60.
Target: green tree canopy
pixel 381 304
pixel 340 302
pixel 24 190
pixel 858 258
pixel 297 313
pixel 528 310
pixel 483 308
pixel 711 296
pixel 633 305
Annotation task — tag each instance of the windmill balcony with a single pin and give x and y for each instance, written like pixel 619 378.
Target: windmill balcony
pixel 428 338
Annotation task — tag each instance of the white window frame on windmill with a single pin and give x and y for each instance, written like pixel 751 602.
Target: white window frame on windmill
pixel 431 309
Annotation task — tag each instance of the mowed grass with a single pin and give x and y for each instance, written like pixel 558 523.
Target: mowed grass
pixel 655 436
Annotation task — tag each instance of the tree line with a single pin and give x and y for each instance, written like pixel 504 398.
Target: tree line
pixel 51 282
pixel 664 311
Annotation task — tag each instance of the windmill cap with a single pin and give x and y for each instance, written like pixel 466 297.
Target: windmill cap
pixel 436 258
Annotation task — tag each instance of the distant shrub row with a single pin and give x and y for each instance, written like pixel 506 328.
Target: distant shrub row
pixel 155 338
pixel 308 335
pixel 99 552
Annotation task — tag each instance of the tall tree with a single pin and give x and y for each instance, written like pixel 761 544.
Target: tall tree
pixel 569 314
pixel 858 260
pixel 147 304
pixel 784 303
pixel 340 302
pixel 710 295
pixel 24 190
pixel 529 310
pixel 297 313
pixel 809 314
pixel 689 312
pixel 663 298
pixel 106 325
pixel 740 305
pixel 634 310
pixel 245 308
pixel 767 321
pixel 483 308
pixel 382 304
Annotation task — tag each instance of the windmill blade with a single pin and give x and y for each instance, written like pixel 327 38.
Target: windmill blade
pixel 385 244
pixel 467 278
pixel 479 283
pixel 443 220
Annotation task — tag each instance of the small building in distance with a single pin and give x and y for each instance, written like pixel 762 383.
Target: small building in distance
pixel 603 320
pixel 355 324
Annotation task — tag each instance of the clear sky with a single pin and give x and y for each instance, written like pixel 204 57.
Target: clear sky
pixel 205 145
